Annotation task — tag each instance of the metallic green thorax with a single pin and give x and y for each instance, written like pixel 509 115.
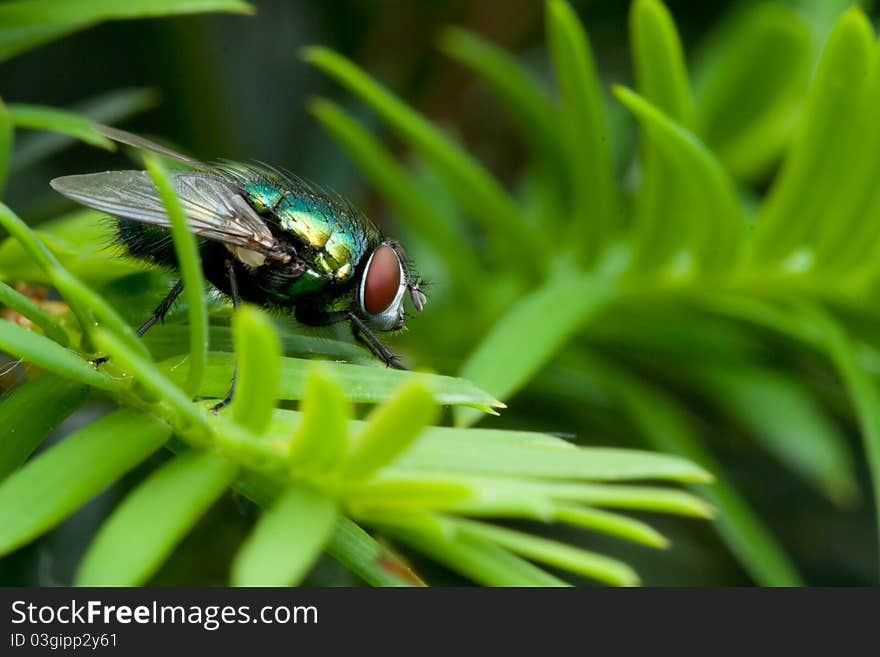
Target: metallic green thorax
pixel 325 231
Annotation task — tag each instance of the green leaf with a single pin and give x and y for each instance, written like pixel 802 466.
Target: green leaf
pixel 33 12
pixel 321 438
pixel 165 341
pixel 27 240
pixel 705 224
pixel 397 490
pixel 78 241
pixel 523 454
pixel 60 480
pixel 475 188
pixel 349 543
pixel 398 188
pixel 18 302
pixel 829 139
pixel 613 524
pixel 152 385
pixel 677 336
pixel 110 107
pixel 16 39
pixel 187 252
pixel 287 540
pixel 822 15
pixel 584 132
pixel 89 307
pixel 665 232
pixel 142 531
pixel 27 24
pixel 363 555
pixel 781 414
pixel 481 561
pixel 847 234
pixel 501 365
pixel 30 412
pixel 863 393
pixel 38 117
pixel 50 356
pixel 361 383
pixel 500 452
pixel 666 426
pixel 389 430
pixel 597 566
pixel 259 356
pixel 658 59
pixel 393 493
pixel 521 96
pixel 747 107
pixel 7 138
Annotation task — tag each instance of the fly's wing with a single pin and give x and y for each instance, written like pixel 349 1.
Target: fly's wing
pixel 213 208
pixel 130 139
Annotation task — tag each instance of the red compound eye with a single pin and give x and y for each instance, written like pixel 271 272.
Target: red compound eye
pixel 381 280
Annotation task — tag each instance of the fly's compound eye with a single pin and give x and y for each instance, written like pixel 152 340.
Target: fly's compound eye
pixel 382 289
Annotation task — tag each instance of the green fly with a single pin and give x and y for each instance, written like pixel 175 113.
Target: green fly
pixel 266 237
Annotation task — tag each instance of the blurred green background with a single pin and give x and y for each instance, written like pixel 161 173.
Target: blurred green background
pixel 234 87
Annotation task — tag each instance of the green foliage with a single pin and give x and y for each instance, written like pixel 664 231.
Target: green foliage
pixel 145 527
pixel 27 24
pixel 468 180
pixel 110 107
pixel 768 91
pixel 593 212
pixel 522 97
pixel 6 132
pixel 389 470
pixel 315 470
pixel 187 253
pixel 48 355
pixel 634 296
pixel 27 420
pixel 682 285
pixel 287 540
pixel 500 364
pixel 18 302
pixel 68 123
pixel 78 468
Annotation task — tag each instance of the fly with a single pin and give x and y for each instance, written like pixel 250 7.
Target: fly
pixel 265 237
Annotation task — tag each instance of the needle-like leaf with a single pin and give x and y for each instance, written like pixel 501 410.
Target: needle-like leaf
pixel 259 356
pixel 594 214
pixel 287 540
pixel 56 483
pixel 30 412
pixel 187 252
pixel 143 530
pixel 389 430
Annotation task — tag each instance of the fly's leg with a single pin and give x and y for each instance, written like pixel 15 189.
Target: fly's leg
pixel 162 309
pixel 236 301
pixel 361 332
pixel 365 338
pixel 157 316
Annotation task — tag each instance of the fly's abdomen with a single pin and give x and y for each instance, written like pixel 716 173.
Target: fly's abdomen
pixel 146 242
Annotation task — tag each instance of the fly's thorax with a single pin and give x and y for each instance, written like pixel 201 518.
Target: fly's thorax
pixel 262 194
pixel 330 239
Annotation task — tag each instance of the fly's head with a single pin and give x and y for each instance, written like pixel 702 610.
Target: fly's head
pixel 387 278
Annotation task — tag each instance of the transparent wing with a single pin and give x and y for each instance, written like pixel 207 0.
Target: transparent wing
pixel 214 209
pixel 130 139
